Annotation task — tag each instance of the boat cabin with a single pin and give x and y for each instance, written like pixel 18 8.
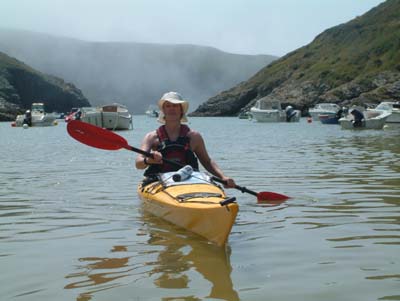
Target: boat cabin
pixel 267 104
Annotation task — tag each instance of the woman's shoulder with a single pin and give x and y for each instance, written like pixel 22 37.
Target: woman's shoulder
pixel 151 136
pixel 195 137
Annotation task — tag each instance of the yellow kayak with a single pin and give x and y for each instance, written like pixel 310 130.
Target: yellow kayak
pixel 195 204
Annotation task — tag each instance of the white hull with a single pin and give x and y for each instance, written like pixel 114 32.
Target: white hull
pixel 389 107
pixel 41 119
pixel 151 114
pixel 369 123
pixel 109 117
pixel 268 115
pixel 271 111
pixel 111 121
pixel 329 109
pixel 152 111
pixel 393 118
pixel 272 115
pixel 315 115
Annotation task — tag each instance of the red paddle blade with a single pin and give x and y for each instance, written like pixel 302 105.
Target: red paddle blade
pixel 266 196
pixel 95 136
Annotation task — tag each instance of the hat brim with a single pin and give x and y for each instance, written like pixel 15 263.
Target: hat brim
pixel 183 103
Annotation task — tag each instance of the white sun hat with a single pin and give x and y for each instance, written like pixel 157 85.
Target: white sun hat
pixel 175 98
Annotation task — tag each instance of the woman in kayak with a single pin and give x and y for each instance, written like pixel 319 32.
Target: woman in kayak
pixel 176 142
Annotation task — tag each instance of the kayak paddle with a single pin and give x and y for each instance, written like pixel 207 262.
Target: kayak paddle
pixel 263 196
pixel 97 137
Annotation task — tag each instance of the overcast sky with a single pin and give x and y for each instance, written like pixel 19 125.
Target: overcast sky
pixel 273 27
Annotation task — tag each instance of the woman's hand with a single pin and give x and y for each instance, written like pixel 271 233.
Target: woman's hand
pixel 229 182
pixel 156 159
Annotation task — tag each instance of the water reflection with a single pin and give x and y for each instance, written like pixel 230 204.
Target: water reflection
pixel 98 272
pixel 182 253
pixel 366 163
pixel 175 259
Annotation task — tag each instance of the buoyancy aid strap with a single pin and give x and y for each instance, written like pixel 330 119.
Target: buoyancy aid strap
pixel 163 135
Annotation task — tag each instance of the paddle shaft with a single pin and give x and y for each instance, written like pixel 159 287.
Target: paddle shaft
pixel 242 189
pixel 150 155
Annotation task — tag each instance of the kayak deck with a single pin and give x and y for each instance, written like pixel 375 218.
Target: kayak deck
pixel 195 205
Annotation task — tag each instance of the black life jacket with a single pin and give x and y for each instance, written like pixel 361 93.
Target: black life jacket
pixel 178 151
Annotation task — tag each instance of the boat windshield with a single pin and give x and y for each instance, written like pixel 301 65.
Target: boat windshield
pixel 37 107
pixel 328 106
pixel 384 106
pixel 269 105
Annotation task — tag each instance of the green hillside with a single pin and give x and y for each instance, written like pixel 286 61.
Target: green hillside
pixel 20 85
pixel 356 62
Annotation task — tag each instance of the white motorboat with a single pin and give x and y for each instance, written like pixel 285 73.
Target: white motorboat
pixel 35 117
pixel 152 111
pixel 112 117
pixel 371 120
pixel 267 110
pixel 329 109
pixel 392 107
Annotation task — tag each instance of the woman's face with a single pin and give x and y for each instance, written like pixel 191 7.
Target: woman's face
pixel 172 111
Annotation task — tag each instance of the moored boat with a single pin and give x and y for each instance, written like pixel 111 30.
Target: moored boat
pixel 152 111
pixel 196 204
pixel 112 117
pixel 328 119
pixel 36 117
pixel 71 115
pixel 270 110
pixel 327 108
pixel 392 107
pixel 244 115
pixel 370 120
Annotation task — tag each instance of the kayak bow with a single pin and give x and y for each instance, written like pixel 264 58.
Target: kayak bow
pixel 194 204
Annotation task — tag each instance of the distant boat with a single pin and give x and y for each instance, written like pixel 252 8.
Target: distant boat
pixel 371 120
pixel 71 115
pixel 244 115
pixel 329 109
pixel 267 110
pixel 390 107
pixel 112 117
pixel 328 119
pixel 35 117
pixel 152 111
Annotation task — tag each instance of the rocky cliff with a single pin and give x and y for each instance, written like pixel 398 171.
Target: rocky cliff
pixel 20 85
pixel 353 63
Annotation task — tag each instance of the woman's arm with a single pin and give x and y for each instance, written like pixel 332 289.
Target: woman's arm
pixel 199 148
pixel 149 142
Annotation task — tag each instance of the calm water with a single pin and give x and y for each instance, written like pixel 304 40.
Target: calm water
pixel 72 226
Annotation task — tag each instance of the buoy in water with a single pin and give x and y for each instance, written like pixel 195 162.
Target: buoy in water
pixel 13 124
pixel 309 119
pixel 25 126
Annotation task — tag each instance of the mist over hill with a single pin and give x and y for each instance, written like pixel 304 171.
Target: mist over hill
pixel 134 74
pixel 20 85
pixel 353 63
